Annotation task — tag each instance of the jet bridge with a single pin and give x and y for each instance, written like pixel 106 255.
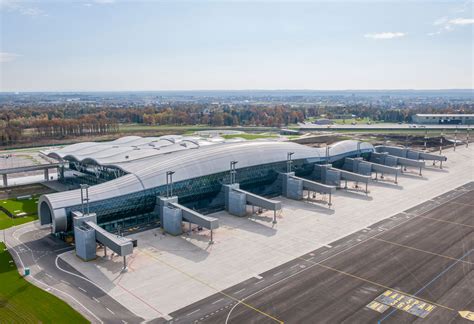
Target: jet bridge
pixel 411 154
pixel 293 187
pixel 87 233
pixel 237 199
pixel 391 160
pixel 172 215
pixel 333 176
pixel 360 166
pixel 352 176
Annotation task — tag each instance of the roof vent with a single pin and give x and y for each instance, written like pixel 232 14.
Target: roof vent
pixel 126 156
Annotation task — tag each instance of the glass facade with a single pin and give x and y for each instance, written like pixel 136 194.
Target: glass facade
pixel 204 194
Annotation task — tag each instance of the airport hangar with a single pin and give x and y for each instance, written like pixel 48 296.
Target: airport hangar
pixel 170 179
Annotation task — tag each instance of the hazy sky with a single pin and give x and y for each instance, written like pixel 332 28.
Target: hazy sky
pixel 174 45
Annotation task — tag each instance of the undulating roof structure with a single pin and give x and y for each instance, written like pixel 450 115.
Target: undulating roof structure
pixel 147 160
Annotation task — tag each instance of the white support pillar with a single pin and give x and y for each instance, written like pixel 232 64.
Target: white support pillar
pixel 5 180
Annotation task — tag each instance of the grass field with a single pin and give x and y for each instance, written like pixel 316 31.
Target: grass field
pixel 352 120
pixel 22 302
pixel 15 206
pixel 249 136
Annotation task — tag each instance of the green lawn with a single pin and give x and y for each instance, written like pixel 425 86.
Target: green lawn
pixel 22 302
pixel 352 120
pixel 142 127
pixel 15 206
pixel 249 136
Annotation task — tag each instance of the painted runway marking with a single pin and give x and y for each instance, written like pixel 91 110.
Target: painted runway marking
pixel 64 282
pixel 380 285
pixel 378 307
pixel 445 221
pixel 294 266
pixel 259 281
pixel 238 292
pixel 405 303
pixel 96 300
pixel 462 204
pixel 217 301
pixel 278 273
pixel 328 246
pixel 82 289
pixel 258 277
pixel 419 250
pixel 467 315
pixel 110 311
pixel 197 310
pixel 47 274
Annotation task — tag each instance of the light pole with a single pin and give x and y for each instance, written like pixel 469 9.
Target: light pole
pixel 85 189
pixel 455 137
pixel 426 138
pixel 169 183
pixel 467 136
pixel 441 143
pixel 232 171
pixel 289 161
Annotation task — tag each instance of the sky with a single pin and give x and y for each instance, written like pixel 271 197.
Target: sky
pixel 107 45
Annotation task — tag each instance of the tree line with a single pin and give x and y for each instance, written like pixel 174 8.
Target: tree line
pixel 26 124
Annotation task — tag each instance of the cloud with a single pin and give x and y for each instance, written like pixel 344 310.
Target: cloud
pixel 461 21
pixel 104 1
pixel 385 35
pixel 21 8
pixel 449 24
pixel 7 57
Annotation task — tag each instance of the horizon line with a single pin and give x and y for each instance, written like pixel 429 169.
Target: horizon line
pixel 238 90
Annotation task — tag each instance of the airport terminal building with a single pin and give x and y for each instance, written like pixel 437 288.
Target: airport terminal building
pixel 444 119
pixel 128 174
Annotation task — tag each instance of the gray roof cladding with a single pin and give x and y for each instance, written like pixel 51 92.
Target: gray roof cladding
pixel 149 172
pixel 128 148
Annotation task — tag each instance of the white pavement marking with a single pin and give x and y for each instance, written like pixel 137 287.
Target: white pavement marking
pixel 47 274
pixel 80 288
pixel 278 273
pixel 294 266
pixel 41 283
pixel 96 300
pixel 258 277
pixel 314 264
pixel 110 311
pixel 91 282
pixel 197 310
pixel 238 292
pixel 327 245
pixel 259 281
pixel 217 301
pixel 64 282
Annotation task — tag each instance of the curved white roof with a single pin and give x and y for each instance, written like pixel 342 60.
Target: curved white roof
pixel 128 148
pixel 151 171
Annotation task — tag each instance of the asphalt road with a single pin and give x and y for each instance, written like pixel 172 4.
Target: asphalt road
pixel 416 266
pixel 36 248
